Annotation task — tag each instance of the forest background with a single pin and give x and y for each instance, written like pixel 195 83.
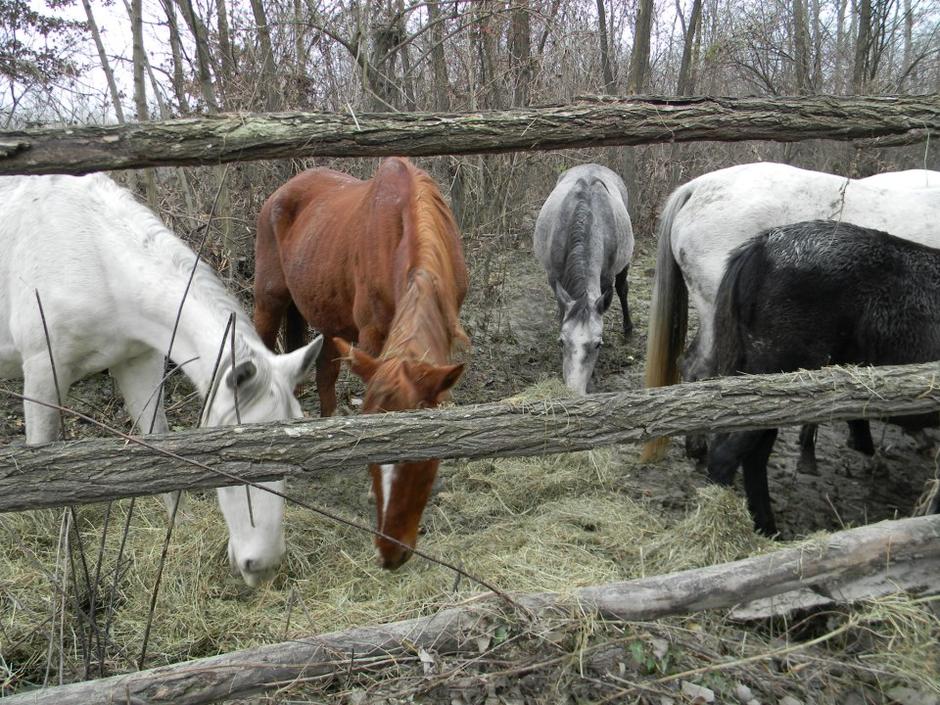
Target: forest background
pixel 94 61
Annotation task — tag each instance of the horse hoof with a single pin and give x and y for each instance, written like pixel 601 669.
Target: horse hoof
pixel 807 466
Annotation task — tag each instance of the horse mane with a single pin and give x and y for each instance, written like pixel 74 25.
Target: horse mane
pixel 165 247
pixel 426 322
pixel 579 243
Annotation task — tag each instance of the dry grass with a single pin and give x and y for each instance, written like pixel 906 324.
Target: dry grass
pixel 525 524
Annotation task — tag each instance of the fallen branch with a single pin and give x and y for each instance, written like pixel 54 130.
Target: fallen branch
pixel 591 122
pixel 821 565
pixel 96 470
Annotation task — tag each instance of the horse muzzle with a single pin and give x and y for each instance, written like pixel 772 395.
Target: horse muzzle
pixel 392 556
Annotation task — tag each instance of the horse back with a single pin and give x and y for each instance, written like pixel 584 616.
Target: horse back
pixel 585 216
pixel 819 292
pixel 340 243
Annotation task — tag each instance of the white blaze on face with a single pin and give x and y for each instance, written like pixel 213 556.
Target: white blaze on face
pixel 580 344
pixel 389 472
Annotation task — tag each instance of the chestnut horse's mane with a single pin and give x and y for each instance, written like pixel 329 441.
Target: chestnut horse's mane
pixel 426 323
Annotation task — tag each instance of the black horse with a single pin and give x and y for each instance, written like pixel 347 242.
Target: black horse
pixel 812 294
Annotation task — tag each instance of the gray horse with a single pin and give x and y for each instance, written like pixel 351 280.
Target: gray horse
pixel 584 240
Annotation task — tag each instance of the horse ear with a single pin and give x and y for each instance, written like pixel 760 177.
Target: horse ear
pixel 432 381
pixel 562 295
pixel 299 362
pixel 241 374
pixel 361 363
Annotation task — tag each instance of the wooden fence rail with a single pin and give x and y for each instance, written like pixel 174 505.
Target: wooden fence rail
pixel 591 122
pixel 887 551
pixel 97 470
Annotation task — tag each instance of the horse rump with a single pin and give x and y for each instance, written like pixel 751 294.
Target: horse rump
pixel 810 294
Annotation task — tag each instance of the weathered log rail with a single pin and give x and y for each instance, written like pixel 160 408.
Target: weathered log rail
pixel 97 470
pixel 885 550
pixel 591 122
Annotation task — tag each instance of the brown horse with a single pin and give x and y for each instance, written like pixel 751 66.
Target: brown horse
pixel 378 262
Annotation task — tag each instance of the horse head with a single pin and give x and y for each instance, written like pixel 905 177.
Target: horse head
pixel 256 389
pixel 401 489
pixel 581 337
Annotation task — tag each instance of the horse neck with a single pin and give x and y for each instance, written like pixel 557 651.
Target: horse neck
pixel 196 327
pixel 421 328
pixel 575 278
pixel 201 335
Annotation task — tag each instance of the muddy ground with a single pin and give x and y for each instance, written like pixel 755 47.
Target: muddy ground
pixel 510 317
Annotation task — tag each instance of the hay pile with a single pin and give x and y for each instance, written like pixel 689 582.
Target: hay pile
pixel 528 524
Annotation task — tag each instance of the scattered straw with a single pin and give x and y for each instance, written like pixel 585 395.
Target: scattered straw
pixel 526 524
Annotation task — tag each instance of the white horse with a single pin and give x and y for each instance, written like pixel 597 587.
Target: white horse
pixel 584 240
pixel 706 218
pixel 111 278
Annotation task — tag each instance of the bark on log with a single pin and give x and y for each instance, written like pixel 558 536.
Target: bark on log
pixel 591 122
pixel 820 565
pixel 96 470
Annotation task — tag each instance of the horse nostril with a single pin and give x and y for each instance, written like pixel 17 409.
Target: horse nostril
pixel 249 565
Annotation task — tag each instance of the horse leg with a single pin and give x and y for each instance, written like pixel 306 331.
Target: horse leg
pixel 328 366
pixel 43 423
pixel 692 368
pixel 751 449
pixel 623 287
pixel 755 483
pixel 295 328
pixel 860 437
pixel 807 462
pixel 139 380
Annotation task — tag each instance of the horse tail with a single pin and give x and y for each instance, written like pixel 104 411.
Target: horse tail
pixel 668 317
pixel 739 289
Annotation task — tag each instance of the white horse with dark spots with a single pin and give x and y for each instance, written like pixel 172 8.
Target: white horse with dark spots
pixel 112 279
pixel 584 240
pixel 708 217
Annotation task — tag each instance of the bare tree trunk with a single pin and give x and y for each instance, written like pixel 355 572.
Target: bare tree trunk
pixel 801 49
pixel 638 80
pixel 907 69
pixel 438 58
pixel 105 64
pixel 492 95
pixel 300 53
pixel 549 20
pixel 227 62
pixel 839 67
pixel 521 53
pixel 135 12
pixel 686 83
pixel 404 49
pixel 166 114
pixel 179 81
pixel 862 47
pixel 817 34
pixel 203 61
pixel 606 66
pixel 270 88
